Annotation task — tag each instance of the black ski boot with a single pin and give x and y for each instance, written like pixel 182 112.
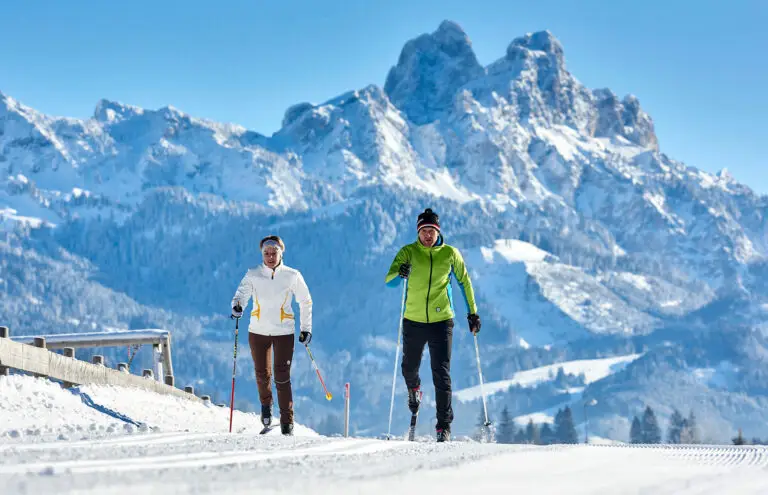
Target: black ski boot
pixel 266 415
pixel 414 399
pixel 286 429
pixel 443 435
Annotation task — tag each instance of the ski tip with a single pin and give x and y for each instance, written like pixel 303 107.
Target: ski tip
pixel 328 396
pixel 267 429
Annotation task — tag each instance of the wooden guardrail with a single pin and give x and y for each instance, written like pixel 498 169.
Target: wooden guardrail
pixel 34 358
pixel 160 340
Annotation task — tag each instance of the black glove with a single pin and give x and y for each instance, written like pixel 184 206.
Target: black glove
pixel 305 337
pixel 474 323
pixel 237 311
pixel 405 270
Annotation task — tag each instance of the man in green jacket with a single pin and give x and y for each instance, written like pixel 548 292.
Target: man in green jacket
pixel 429 265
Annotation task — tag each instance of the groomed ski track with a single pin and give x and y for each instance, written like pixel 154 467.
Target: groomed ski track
pixel 165 463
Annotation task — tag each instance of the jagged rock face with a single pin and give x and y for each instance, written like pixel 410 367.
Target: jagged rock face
pixel 624 118
pixel 430 70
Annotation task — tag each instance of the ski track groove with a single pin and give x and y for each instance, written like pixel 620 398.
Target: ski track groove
pixel 198 459
pixel 144 439
pixel 116 461
pixel 747 455
pixel 728 456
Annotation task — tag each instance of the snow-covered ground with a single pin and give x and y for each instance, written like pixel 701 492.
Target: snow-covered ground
pixel 248 463
pixel 37 410
pixel 593 369
pixel 194 454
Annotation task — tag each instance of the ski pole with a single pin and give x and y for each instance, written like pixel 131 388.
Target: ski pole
pixel 397 355
pixel 234 370
pixel 480 373
pixel 328 395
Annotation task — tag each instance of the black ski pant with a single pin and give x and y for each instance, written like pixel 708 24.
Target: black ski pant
pixel 439 336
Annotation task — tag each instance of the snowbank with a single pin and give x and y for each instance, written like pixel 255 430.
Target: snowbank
pixel 36 409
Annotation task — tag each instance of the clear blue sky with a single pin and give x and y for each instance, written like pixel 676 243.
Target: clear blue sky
pixel 699 68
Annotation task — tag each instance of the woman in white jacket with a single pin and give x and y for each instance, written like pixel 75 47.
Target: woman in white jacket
pixel 273 285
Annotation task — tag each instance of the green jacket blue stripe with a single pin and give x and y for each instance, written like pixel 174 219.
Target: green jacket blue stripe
pixel 429 301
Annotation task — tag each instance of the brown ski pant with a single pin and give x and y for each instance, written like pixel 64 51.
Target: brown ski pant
pixel 261 351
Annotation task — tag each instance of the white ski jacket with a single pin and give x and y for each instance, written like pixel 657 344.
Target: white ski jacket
pixel 273 292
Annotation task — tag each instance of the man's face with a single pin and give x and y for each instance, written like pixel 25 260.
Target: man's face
pixel 271 256
pixel 428 236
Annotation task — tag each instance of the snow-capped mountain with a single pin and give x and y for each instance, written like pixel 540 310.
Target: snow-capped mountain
pixel 584 239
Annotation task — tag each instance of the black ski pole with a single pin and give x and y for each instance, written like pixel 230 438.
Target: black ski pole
pixel 234 370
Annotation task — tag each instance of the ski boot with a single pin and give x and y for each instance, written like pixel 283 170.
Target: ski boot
pixel 266 415
pixel 286 429
pixel 443 435
pixel 414 399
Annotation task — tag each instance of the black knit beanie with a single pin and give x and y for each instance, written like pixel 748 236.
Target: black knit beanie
pixel 428 219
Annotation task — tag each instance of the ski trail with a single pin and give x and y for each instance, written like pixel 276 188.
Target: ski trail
pixel 232 464
pixel 715 455
pixel 144 439
pixel 711 455
pixel 198 459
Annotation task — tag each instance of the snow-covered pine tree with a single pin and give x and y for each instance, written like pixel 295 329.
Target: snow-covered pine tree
pixel 520 436
pixel 636 431
pixel 689 433
pixel 506 431
pixel 547 435
pixel 561 379
pixel 558 421
pixel 565 431
pixel 651 433
pixel 582 379
pixel 532 433
pixel 676 423
pixel 739 440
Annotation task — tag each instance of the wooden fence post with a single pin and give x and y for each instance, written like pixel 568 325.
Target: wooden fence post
pixel 70 353
pixel 38 342
pixel 5 333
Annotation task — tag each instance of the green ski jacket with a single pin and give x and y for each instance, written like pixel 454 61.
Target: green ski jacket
pixel 429 295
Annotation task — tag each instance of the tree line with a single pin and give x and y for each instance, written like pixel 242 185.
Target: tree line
pixel 562 430
pixel 644 430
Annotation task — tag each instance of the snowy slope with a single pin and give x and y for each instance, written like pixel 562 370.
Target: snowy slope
pixel 593 370
pixel 545 301
pixel 38 410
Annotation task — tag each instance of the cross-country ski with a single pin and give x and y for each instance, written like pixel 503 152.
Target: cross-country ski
pixel 267 429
